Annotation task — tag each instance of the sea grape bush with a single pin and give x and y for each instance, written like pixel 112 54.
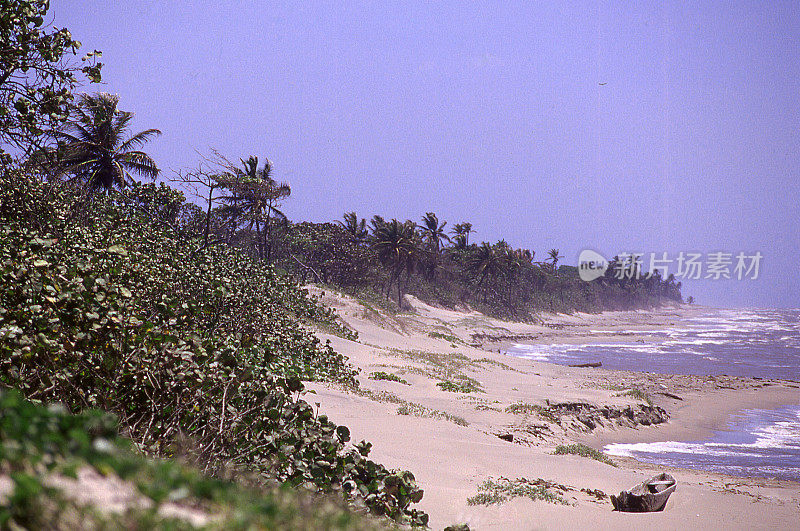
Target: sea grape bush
pixel 125 312
pixel 38 442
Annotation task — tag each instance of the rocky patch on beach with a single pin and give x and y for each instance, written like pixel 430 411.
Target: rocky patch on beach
pixel 579 417
pixel 586 417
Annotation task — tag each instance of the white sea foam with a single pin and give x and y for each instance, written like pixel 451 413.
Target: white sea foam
pixel 781 434
pixel 695 342
pixel 674 447
pixel 777 435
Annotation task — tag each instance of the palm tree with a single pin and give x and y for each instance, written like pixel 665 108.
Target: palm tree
pixel 255 196
pixel 461 232
pixel 553 255
pixel 396 246
pixel 92 146
pixel 434 234
pixel 433 231
pixel 487 261
pixel 376 223
pixel 357 229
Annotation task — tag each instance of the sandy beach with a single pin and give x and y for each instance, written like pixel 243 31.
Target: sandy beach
pixel 452 441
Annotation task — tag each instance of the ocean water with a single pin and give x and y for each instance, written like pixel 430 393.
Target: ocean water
pixel 756 343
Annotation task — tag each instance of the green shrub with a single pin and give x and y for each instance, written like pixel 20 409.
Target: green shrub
pixel 119 309
pixel 38 441
pixel 446 337
pixel 584 451
pixel 638 394
pixel 418 410
pixel 459 387
pixel 496 492
pixel 381 375
pixel 522 408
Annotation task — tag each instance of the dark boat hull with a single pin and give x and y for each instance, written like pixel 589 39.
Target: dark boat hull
pixel 647 497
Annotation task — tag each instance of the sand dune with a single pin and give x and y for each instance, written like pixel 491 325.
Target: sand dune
pixel 450 440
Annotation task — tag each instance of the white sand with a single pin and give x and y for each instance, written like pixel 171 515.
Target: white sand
pixel 450 461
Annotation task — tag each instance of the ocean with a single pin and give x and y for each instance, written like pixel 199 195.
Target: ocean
pixel 750 343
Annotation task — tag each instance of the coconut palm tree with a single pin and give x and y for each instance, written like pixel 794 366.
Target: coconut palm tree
pixel 357 229
pixel 553 255
pixel 254 197
pixel 93 148
pixel 486 261
pixel 396 246
pixel 376 223
pixel 434 232
pixel 461 232
pixel 434 235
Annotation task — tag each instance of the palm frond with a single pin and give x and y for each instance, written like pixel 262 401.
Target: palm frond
pixel 139 139
pixel 121 120
pixel 139 162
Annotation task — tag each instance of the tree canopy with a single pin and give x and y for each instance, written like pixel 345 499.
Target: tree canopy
pixel 93 147
pixel 40 71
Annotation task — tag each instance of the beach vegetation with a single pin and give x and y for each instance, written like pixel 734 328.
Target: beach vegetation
pixel 355 228
pixel 396 246
pixel 444 367
pixel 376 396
pixel 461 232
pixel 493 492
pixel 40 73
pixel 446 337
pixel 45 451
pixel 381 375
pixel 125 314
pixel 418 410
pixel 481 404
pixel 468 386
pixel 610 386
pixel 523 408
pixel 495 363
pixel 94 148
pixel 638 394
pixel 395 257
pixel 554 257
pixel 583 451
pixel 433 237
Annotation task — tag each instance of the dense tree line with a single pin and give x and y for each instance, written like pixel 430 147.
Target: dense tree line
pixel 441 266
pixel 391 258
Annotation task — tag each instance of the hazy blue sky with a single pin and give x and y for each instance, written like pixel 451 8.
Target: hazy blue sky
pixel 492 113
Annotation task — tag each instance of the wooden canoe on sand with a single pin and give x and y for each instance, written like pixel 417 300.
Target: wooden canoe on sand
pixel 646 497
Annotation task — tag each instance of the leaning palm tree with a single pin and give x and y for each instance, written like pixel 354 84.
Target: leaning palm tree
pixel 93 148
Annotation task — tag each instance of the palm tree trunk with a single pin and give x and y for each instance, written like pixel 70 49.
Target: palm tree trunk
pixel 268 239
pixel 259 242
pixel 399 291
pixel 268 233
pixel 207 229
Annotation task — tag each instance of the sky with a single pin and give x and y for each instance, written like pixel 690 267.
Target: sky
pixel 618 127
